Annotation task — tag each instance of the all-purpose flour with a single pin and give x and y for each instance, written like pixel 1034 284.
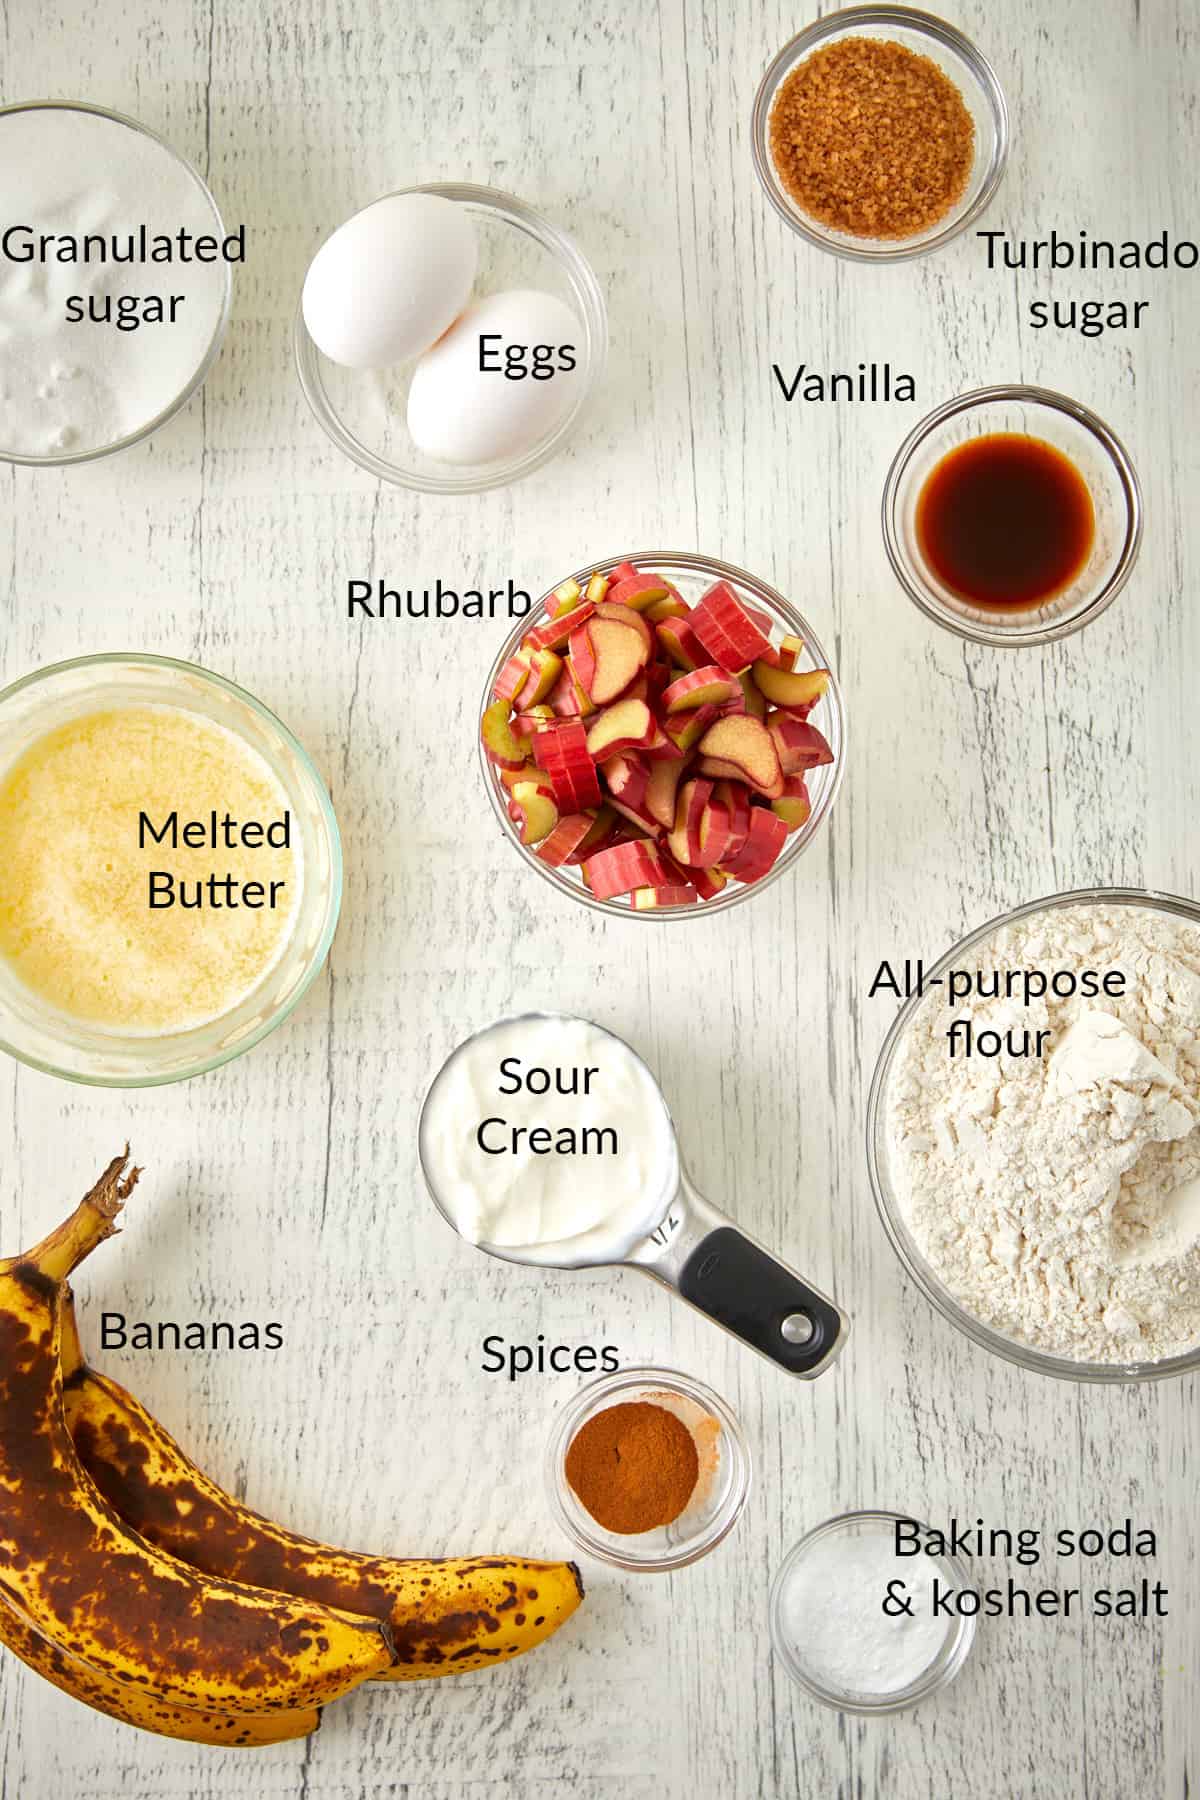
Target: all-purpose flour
pixel 68 386
pixel 1058 1199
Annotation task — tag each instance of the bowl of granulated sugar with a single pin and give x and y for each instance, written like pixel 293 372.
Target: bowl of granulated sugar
pixel 115 285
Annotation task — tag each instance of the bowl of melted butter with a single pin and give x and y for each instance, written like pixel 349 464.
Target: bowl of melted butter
pixel 172 870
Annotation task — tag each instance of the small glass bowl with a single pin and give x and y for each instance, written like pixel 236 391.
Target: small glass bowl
pixel 364 410
pixel 197 378
pixel 887 1204
pixel 946 1665
pixel 691 575
pixel 958 58
pixel 1101 460
pixel 44 1037
pixel 714 1508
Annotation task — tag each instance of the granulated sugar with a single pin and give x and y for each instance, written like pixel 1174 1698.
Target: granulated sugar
pixel 70 386
pixel 1058 1198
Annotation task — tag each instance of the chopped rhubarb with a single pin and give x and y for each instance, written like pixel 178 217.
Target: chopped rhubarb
pixel 628 725
pixel 800 745
pixel 708 882
pixel 639 591
pixel 747 746
pixel 647 899
pixel 566 837
pixel 660 749
pixel 553 634
pixel 793 806
pixel 684 840
pixel 622 868
pixel 688 728
pixel 563 754
pixel 728 629
pixel 710 686
pixel 563 598
pixel 544 670
pixel 681 643
pixel 512 677
pixel 500 744
pixel 791 688
pixel 759 854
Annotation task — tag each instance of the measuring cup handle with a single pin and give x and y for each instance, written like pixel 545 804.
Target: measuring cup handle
pixel 740 1285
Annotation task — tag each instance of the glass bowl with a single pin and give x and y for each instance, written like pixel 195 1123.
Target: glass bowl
pixel 1101 460
pixel 37 1033
pixel 958 59
pixel 1042 1362
pixel 721 1491
pixel 691 575
pixel 364 410
pixel 946 1665
pixel 62 458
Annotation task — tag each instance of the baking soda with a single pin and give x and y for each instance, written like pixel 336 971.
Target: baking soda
pixel 69 386
pixel 834 1620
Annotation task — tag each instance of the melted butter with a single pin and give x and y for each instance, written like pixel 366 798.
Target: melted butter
pixel 76 925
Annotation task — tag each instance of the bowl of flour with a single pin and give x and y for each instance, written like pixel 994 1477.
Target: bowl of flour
pixel 1033 1135
pixel 115 282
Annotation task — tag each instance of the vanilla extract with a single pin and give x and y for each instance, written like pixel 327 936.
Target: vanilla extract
pixel 873 381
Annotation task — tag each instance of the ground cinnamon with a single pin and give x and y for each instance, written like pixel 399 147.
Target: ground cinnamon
pixel 872 139
pixel 633 1466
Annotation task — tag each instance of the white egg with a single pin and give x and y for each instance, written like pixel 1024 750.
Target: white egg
pixel 467 403
pixel 390 280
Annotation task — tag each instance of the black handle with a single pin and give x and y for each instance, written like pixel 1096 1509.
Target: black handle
pixel 738 1284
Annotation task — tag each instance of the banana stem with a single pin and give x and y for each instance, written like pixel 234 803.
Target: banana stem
pixel 91 1222
pixel 70 1353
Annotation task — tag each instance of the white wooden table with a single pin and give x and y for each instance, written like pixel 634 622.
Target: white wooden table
pixel 286 1186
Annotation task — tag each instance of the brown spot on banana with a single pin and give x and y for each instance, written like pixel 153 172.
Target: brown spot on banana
pixel 141 1706
pixel 447 1615
pixel 85 1580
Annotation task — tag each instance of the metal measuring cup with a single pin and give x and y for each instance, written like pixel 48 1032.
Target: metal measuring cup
pixel 691 1247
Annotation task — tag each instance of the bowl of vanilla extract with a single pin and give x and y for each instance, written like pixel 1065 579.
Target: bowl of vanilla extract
pixel 1012 515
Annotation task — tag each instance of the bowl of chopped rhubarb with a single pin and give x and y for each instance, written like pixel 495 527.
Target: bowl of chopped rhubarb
pixel 662 735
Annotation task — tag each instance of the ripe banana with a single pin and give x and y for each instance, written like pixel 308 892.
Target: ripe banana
pixel 446 1615
pixel 142 1707
pixel 80 1576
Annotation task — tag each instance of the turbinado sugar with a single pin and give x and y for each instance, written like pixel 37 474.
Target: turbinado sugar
pixel 871 139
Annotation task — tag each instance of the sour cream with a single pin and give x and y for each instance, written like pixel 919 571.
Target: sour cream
pixel 546 1140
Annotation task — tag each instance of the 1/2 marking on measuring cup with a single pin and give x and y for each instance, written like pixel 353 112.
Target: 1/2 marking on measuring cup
pixel 663 1233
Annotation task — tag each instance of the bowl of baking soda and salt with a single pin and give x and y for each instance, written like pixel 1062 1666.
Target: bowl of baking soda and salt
pixel 855 1619
pixel 1034 1135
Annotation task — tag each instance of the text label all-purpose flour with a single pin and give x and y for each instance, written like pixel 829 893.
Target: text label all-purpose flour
pixel 1057 1196
pixel 548 1140
pixel 113 278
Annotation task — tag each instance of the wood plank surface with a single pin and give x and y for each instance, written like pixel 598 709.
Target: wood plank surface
pixel 286 1185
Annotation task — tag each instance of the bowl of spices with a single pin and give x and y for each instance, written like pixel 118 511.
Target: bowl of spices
pixel 1012 515
pixel 851 1638
pixel 648 1469
pixel 1033 1136
pixel 879 133
pixel 115 282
